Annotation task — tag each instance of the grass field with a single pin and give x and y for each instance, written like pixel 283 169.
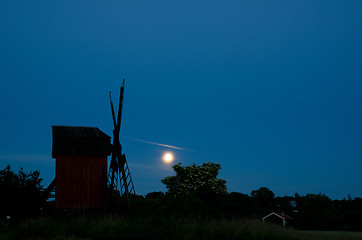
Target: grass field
pixel 112 228
pixel 335 234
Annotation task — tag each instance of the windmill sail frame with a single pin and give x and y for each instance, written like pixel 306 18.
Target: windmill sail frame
pixel 118 169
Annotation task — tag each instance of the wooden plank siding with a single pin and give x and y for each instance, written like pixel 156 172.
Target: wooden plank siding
pixel 80 181
pixel 81 166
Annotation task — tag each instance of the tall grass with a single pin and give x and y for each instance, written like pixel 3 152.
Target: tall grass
pixel 115 227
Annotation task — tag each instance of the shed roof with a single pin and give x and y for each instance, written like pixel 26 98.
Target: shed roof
pixel 281 215
pixel 80 141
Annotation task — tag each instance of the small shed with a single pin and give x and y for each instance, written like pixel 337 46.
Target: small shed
pixel 80 166
pixel 277 218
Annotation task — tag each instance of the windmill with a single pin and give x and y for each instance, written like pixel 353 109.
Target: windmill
pixel 118 169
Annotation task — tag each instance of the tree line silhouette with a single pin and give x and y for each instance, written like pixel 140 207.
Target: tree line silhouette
pixel 194 192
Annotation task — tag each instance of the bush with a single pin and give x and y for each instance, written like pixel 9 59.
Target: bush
pixel 20 193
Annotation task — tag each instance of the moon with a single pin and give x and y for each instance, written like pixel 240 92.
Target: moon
pixel 168 157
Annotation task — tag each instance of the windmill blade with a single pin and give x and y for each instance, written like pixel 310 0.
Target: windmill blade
pixel 113 114
pixel 113 172
pixel 121 161
pixel 116 149
pixel 118 127
pixel 119 168
pixel 114 164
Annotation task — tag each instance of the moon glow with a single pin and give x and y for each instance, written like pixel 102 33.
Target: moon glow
pixel 168 158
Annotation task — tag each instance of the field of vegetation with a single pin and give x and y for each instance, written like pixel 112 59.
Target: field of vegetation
pixel 335 234
pixel 113 227
pixel 196 206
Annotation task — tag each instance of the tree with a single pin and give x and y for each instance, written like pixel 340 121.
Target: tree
pixel 316 211
pixel 237 204
pixel 155 195
pixel 264 200
pixel 20 193
pixel 200 181
pixel 263 193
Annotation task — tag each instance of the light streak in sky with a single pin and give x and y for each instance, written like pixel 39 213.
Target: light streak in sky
pixel 160 144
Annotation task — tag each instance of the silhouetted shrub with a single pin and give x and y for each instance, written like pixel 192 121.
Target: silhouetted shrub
pixel 20 193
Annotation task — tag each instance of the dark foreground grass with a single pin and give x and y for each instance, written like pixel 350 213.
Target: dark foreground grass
pixel 113 228
pixel 335 234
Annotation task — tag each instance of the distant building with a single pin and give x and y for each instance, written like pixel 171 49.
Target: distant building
pixel 277 218
pixel 81 166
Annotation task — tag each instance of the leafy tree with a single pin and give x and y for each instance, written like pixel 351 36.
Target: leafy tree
pixel 283 204
pixel 263 193
pixel 20 192
pixel 264 200
pixel 316 211
pixel 155 195
pixel 237 204
pixel 200 181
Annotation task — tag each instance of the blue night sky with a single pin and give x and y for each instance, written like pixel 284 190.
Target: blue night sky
pixel 271 90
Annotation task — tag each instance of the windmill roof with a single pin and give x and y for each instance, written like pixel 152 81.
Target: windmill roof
pixel 78 132
pixel 80 141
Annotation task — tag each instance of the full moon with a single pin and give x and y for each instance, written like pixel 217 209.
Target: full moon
pixel 168 158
